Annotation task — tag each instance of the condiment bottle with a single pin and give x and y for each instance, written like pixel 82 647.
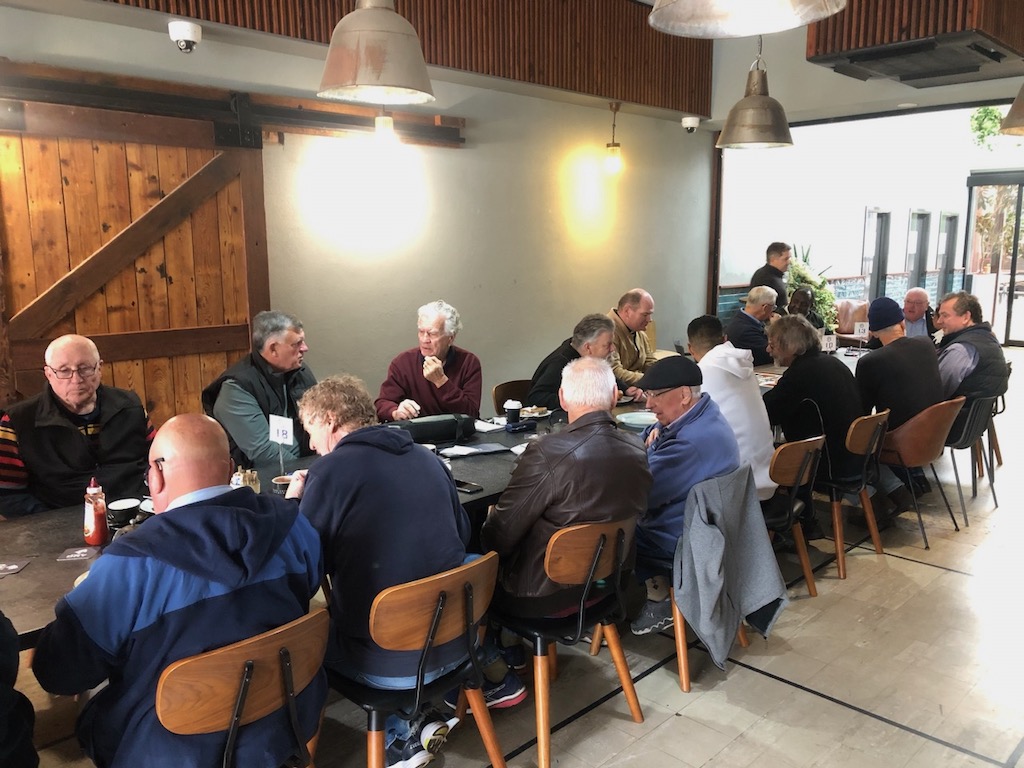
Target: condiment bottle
pixel 95 523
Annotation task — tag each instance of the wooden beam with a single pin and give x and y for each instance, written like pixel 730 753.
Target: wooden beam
pixel 141 345
pixel 254 221
pixel 36 318
pixel 41 119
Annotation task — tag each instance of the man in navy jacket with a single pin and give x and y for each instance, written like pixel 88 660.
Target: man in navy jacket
pixel 215 565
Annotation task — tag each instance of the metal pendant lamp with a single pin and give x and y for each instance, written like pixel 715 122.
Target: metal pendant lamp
pixel 737 18
pixel 757 121
pixel 1013 123
pixel 375 58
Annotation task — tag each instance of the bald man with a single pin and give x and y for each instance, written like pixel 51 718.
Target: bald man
pixel 632 353
pixel 215 565
pixel 76 428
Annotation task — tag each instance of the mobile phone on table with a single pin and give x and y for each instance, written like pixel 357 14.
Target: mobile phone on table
pixel 467 487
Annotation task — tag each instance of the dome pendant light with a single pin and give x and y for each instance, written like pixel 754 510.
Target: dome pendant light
pixel 757 121
pixel 737 18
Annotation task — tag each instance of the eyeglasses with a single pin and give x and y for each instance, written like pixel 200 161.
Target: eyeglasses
pixel 158 464
pixel 652 394
pixel 83 371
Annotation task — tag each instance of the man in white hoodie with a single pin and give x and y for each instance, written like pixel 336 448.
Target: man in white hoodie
pixel 729 379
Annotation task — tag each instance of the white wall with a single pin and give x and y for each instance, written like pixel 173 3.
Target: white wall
pixel 519 229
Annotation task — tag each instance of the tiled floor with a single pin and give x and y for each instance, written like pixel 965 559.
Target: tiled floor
pixel 911 661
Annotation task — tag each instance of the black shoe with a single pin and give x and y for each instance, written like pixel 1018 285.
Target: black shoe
pixel 782 541
pixel 902 499
pixel 812 528
pixel 920 486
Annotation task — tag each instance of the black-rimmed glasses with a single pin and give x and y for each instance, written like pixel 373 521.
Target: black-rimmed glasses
pixel 83 371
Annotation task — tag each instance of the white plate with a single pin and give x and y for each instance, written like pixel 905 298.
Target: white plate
pixel 543 414
pixel 624 400
pixel 637 419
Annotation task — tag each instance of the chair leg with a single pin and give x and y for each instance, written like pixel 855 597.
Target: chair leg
pixel 311 744
pixel 595 642
pixel 741 636
pixel 974 474
pixel 805 561
pixel 945 500
pixel 682 657
pixel 541 693
pixel 837 534
pixel 920 523
pixel 462 707
pixel 625 678
pixel 993 443
pixel 959 488
pixel 991 477
pixel 553 662
pixel 869 517
pixel 979 465
pixel 375 752
pixel 485 725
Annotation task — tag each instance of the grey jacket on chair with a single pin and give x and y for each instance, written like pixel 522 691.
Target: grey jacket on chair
pixel 724 566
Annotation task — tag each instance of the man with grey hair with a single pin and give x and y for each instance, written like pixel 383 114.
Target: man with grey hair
pixel 918 316
pixel 592 337
pixel 590 472
pixel 746 329
pixel 435 377
pixel 268 381
pixel 75 429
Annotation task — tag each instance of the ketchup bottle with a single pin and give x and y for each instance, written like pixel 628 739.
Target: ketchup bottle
pixel 95 515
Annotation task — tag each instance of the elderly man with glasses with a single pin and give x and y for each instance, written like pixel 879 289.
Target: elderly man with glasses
pixel 691 442
pixel 75 429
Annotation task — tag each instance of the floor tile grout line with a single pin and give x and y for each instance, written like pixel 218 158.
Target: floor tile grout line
pixel 874 715
pixel 1014 758
pixel 862 545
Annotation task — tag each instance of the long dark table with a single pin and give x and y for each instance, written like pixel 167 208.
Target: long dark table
pixel 29 596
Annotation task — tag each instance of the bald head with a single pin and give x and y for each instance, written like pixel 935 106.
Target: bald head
pixel 189 452
pixel 70 344
pixel 635 309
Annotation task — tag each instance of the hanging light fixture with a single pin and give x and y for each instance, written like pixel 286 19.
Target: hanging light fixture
pixel 757 121
pixel 613 150
pixel 737 18
pixel 375 58
pixel 384 128
pixel 1013 123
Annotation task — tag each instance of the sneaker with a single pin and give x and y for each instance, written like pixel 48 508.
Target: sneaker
pixel 655 616
pixel 435 729
pixel 515 656
pixel 503 695
pixel 407 754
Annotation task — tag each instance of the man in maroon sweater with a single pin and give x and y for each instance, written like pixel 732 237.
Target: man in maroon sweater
pixel 435 377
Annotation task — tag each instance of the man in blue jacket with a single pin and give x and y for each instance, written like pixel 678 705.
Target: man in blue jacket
pixel 690 443
pixel 215 565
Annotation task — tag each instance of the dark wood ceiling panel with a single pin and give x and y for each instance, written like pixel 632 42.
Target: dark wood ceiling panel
pixel 603 48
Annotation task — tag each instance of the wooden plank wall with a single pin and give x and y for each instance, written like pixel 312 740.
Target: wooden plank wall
pixel 65 198
pixel 600 47
pixel 871 23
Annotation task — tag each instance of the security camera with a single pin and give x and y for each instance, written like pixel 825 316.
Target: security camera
pixel 690 123
pixel 185 34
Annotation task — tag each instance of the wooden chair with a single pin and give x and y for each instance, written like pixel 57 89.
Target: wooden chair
pixel 516 389
pixel 966 432
pixel 230 687
pixel 417 616
pixel 793 466
pixel 863 438
pixel 920 441
pixel 578 556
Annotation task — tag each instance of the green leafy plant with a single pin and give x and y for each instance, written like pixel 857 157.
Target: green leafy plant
pixel 801 273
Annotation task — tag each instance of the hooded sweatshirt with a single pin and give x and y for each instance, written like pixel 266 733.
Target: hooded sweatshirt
pixel 729 379
pixel 189 580
pixel 387 512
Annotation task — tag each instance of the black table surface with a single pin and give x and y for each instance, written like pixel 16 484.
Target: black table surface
pixel 28 597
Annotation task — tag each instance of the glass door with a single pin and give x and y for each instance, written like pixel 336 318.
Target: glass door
pixel 993 270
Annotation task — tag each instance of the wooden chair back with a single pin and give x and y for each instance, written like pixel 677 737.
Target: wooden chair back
pixel 921 440
pixel 865 434
pixel 198 694
pixel 570 554
pixel 793 463
pixel 516 389
pixel 401 616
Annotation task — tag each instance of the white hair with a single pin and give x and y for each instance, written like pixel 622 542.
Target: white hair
pixel 588 383
pixel 761 294
pixel 441 308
